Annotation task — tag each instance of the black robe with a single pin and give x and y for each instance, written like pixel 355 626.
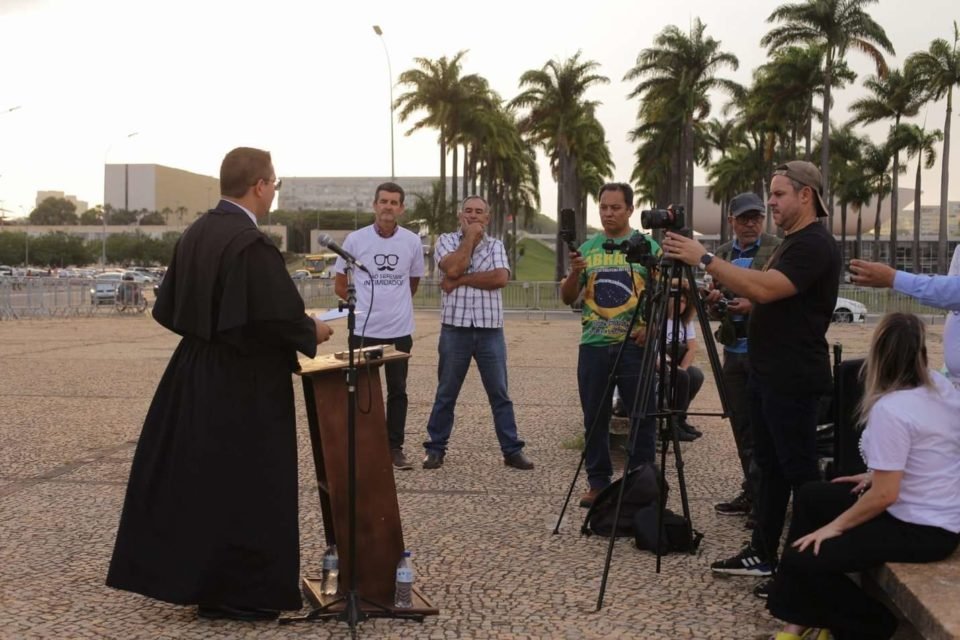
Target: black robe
pixel 210 515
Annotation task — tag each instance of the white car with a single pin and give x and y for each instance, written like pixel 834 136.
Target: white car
pixel 847 310
pixel 104 288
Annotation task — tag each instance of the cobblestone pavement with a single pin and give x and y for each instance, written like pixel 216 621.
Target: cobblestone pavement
pixel 73 394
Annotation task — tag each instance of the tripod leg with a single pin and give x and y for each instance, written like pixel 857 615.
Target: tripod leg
pixel 640 410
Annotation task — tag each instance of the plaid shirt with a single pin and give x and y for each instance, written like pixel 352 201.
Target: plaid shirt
pixel 469 306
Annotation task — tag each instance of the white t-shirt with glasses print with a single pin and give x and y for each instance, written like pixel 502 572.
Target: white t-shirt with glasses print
pixel 392 262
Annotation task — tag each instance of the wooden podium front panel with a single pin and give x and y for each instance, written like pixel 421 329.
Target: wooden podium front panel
pixel 379 536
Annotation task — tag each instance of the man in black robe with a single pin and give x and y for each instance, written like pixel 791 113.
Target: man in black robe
pixel 210 516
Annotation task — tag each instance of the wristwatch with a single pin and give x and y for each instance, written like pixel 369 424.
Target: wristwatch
pixel 705 261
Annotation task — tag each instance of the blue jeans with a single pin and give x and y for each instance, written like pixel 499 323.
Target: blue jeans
pixel 458 345
pixel 593 370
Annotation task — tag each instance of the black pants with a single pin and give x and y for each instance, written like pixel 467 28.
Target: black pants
pixel 785 438
pixel 813 590
pixel 396 374
pixel 689 381
pixel 736 369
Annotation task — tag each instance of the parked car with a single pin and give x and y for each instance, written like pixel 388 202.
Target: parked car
pixel 5 270
pixel 140 277
pixel 847 310
pixel 300 274
pixel 104 289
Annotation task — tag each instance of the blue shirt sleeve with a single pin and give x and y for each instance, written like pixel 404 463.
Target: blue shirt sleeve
pixel 942 292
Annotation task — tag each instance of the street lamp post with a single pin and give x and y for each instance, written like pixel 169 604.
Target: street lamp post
pixel 103 246
pixel 379 32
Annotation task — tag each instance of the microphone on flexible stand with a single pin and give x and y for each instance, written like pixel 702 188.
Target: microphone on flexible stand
pixel 326 241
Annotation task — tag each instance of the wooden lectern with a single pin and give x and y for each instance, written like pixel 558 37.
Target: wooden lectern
pixel 379 536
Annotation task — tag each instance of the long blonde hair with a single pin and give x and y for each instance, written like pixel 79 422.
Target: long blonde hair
pixel 897 360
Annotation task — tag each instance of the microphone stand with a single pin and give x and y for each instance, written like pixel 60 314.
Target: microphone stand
pixel 352 613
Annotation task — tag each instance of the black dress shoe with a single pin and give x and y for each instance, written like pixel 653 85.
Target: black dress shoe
pixel 518 460
pixel 432 460
pixel 689 428
pixel 226 612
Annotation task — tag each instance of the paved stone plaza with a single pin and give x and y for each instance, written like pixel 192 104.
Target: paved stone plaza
pixel 73 394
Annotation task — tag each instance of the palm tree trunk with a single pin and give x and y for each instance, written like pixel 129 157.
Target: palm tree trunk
pixel 688 201
pixel 453 183
pixel 561 265
pixel 825 134
pixel 466 168
pixel 568 197
pixel 875 253
pixel 894 201
pixel 942 263
pixel 443 170
pixel 723 221
pixel 858 244
pixel 808 152
pixel 916 218
pixel 843 234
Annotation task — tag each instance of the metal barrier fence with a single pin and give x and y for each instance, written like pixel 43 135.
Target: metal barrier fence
pixel 46 297
pixel 53 297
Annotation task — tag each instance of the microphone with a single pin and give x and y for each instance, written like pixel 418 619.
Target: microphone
pixel 326 241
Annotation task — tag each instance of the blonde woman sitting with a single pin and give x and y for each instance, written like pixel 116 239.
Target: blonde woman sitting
pixel 905 509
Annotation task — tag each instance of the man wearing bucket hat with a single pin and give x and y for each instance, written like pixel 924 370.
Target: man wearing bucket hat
pixel 750 249
pixel 793 298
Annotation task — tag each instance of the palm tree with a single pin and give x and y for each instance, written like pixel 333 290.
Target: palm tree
pixel 730 175
pixel 918 142
pixel 939 71
pixel 431 212
pixel 557 117
pixel 835 26
pixel 437 89
pixel 896 96
pixel 845 158
pixel 876 169
pixel 675 78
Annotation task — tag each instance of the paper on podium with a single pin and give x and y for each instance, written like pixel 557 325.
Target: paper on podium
pixel 333 314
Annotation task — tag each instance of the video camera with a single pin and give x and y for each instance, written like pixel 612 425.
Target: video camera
pixel 636 249
pixel 671 218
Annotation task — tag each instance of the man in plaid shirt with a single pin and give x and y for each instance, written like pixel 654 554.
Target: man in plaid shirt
pixel 474 268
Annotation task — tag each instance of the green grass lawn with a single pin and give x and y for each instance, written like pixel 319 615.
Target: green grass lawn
pixel 537 263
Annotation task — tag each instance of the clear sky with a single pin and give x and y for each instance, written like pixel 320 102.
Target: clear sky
pixel 308 80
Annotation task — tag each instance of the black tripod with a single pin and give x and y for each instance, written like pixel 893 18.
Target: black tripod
pixel 668 418
pixel 346 608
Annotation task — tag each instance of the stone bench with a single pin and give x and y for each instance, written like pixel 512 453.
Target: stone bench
pixel 926 595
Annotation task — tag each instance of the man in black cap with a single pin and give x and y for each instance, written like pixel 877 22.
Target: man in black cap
pixel 750 249
pixel 793 298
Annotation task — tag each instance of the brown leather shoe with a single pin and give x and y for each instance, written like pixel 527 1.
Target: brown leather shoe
pixel 586 500
pixel 518 460
pixel 399 460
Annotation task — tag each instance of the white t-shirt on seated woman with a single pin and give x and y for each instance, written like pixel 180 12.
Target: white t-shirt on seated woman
pixel 687 330
pixel 917 431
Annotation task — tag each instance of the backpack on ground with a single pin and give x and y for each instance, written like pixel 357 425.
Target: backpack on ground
pixel 675 531
pixel 640 491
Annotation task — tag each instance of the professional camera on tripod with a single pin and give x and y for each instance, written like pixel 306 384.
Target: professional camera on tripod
pixel 657 366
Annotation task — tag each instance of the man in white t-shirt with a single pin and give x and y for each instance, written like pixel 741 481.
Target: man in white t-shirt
pixel 394 256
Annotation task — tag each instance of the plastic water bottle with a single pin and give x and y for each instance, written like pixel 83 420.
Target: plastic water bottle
pixel 403 598
pixel 331 571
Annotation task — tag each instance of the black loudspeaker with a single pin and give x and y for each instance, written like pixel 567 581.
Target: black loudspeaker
pixel 848 391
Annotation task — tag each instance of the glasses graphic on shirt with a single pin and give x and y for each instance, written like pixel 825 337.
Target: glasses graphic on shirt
pixel 386 261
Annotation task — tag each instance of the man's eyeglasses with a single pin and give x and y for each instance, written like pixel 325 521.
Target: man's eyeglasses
pixel 749 219
pixel 276 185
